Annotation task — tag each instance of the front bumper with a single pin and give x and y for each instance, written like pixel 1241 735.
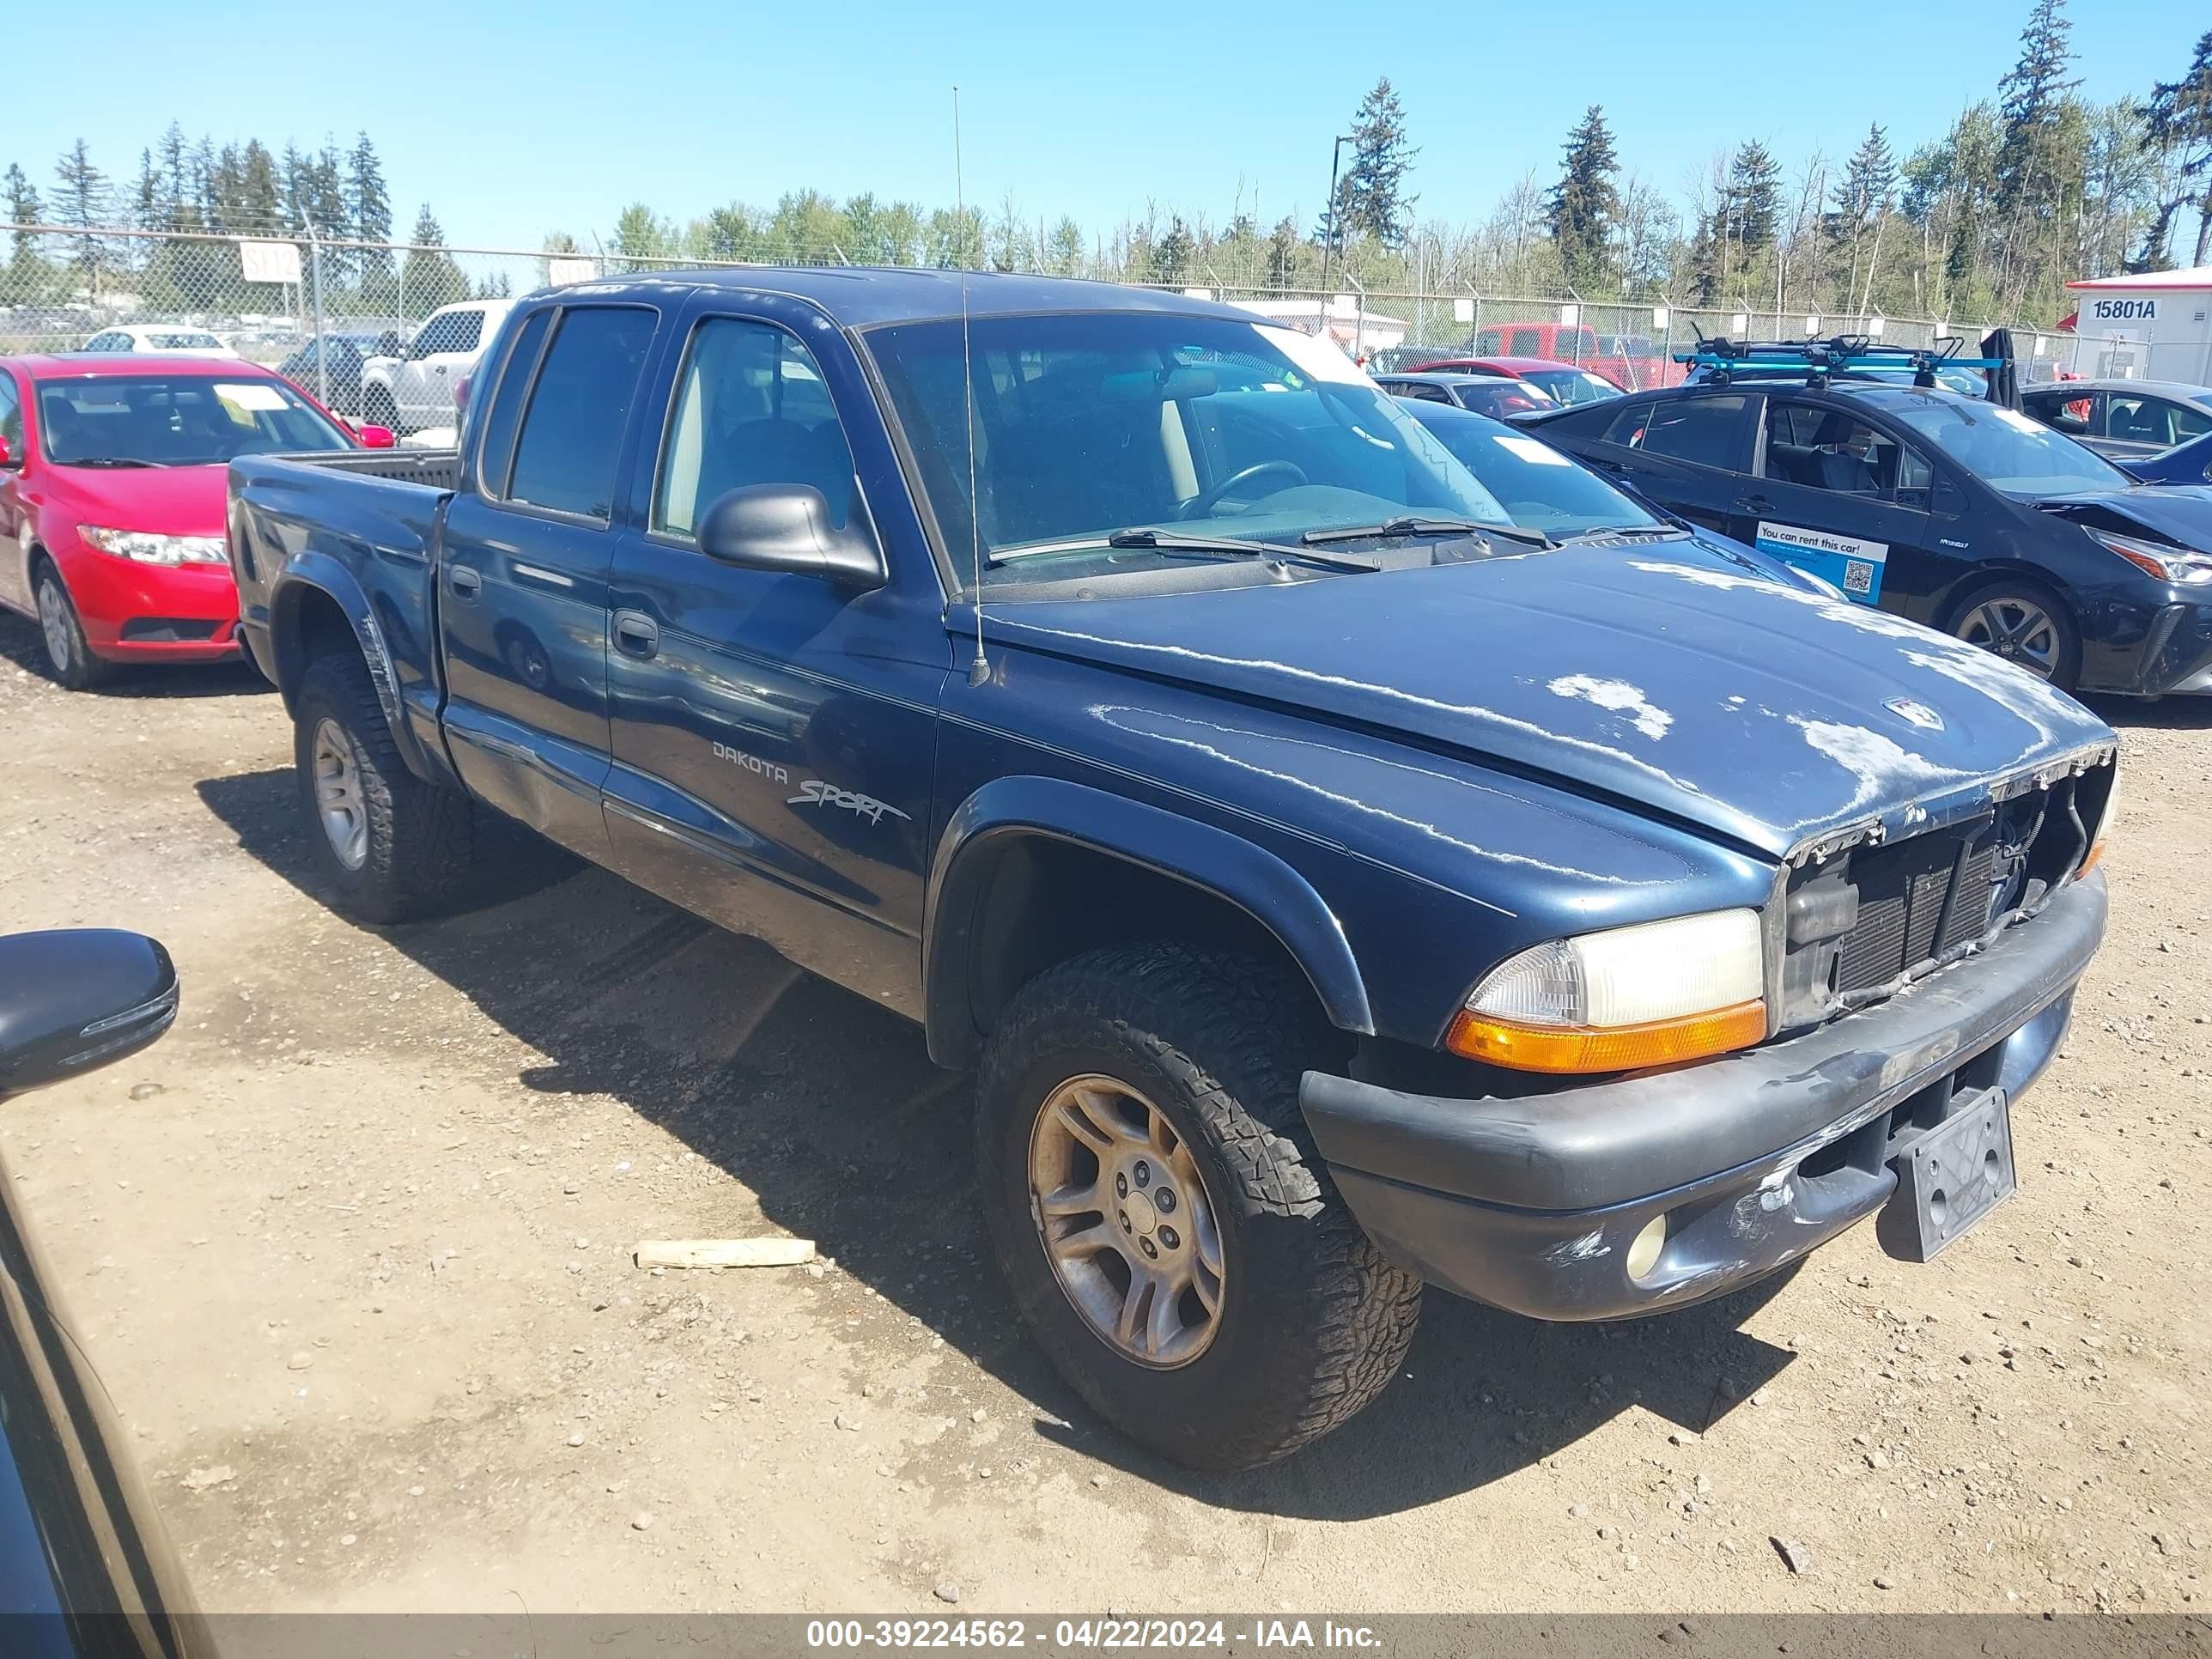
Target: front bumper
pixel 1754 1158
pixel 2150 651
pixel 141 612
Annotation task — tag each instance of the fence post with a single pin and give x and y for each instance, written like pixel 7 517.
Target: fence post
pixel 322 356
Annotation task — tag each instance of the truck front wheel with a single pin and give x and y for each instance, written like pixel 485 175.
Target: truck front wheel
pixel 394 847
pixel 1169 1231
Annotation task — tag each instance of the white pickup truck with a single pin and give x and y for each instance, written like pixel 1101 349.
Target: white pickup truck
pixel 419 389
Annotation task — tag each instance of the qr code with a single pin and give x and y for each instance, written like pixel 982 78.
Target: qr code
pixel 1858 578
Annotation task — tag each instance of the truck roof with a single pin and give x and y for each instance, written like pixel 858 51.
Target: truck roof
pixel 859 296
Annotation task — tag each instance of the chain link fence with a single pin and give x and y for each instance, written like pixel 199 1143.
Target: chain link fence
pixel 387 332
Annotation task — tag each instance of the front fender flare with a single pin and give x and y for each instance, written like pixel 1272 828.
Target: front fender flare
pixel 313 571
pixel 1235 869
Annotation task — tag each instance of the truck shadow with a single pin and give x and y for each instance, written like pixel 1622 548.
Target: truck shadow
pixel 827 1109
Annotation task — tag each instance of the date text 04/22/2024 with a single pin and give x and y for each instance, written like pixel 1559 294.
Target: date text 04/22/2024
pixel 1065 1635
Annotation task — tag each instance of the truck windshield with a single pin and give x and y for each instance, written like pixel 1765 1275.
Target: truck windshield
pixel 2005 449
pixel 176 420
pixel 1084 424
pixel 1539 488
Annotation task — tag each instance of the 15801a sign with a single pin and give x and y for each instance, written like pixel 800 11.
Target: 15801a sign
pixel 2123 311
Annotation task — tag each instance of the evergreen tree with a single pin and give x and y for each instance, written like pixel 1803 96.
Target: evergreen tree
pixel 2029 96
pixel 368 207
pixel 1282 253
pixel 1754 197
pixel 1173 253
pixel 81 198
pixel 149 210
pixel 1583 210
pixel 293 175
pixel 430 278
pixel 2180 123
pixel 24 207
pixel 176 176
pixel 1064 248
pixel 260 206
pixel 1371 199
pixel 1862 201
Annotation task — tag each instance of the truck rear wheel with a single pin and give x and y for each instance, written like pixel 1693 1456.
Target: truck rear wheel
pixel 394 847
pixel 1168 1230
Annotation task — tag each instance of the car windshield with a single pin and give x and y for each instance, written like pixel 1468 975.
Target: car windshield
pixel 1089 423
pixel 2011 453
pixel 1539 488
pixel 1573 386
pixel 176 420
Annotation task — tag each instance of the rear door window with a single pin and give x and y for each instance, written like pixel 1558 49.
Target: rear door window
pixel 1526 343
pixel 565 456
pixel 1710 431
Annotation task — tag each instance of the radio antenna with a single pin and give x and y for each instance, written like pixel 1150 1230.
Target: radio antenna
pixel 979 670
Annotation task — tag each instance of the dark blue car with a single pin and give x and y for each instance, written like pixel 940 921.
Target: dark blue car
pixel 1350 852
pixel 2184 464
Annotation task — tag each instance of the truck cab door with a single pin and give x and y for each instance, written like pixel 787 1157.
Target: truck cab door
pixel 523 567
pixel 774 734
pixel 1847 499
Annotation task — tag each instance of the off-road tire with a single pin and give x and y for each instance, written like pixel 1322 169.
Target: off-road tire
pixel 1315 1322
pixel 420 835
pixel 74 668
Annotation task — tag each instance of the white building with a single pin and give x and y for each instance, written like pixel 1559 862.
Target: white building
pixel 1359 331
pixel 2156 326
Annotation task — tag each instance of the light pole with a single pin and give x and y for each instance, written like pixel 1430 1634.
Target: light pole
pixel 1335 230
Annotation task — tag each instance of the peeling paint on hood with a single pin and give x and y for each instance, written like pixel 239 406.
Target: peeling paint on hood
pixel 1674 679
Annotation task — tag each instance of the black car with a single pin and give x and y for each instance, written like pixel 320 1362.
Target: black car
pixel 340 357
pixel 1963 514
pixel 1485 394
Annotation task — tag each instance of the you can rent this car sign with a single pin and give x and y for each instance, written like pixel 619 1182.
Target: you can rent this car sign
pixel 1850 564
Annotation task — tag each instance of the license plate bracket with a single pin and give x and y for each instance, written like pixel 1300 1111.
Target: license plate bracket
pixel 1949 1178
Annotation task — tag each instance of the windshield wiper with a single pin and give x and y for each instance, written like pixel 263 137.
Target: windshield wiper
pixel 1419 526
pixel 110 460
pixel 1170 541
pixel 1658 532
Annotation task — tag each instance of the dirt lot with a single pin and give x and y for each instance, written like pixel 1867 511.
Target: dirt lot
pixel 350 1249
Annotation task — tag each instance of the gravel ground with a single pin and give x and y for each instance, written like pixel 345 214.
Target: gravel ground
pixel 350 1249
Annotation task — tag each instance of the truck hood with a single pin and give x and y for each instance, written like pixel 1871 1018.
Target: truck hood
pixel 1663 674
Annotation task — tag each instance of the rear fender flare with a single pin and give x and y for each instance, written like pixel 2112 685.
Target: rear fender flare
pixel 315 571
pixel 1228 867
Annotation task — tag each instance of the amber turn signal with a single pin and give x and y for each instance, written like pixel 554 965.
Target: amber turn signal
pixel 1620 1049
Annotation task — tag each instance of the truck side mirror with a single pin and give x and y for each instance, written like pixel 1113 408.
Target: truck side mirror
pixel 75 1001
pixel 786 527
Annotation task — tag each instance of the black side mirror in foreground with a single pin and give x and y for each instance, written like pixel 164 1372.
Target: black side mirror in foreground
pixel 786 527
pixel 74 1000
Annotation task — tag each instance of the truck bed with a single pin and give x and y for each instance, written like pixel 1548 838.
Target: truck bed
pixel 439 469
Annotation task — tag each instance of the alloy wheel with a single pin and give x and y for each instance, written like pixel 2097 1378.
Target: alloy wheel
pixel 339 801
pixel 54 624
pixel 2018 629
pixel 1125 1221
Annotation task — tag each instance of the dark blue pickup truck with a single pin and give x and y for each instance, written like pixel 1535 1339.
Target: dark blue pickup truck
pixel 1345 864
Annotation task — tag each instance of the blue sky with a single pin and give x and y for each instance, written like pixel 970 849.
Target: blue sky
pixel 514 119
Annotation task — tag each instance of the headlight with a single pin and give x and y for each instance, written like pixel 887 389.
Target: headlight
pixel 2167 563
pixel 149 549
pixel 1647 995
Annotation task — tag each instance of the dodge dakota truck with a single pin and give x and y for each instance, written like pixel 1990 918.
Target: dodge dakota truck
pixel 1340 873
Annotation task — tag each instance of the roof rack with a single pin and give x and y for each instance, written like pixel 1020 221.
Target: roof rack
pixel 1819 360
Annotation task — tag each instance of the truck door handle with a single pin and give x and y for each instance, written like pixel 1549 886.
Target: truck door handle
pixel 636 634
pixel 465 581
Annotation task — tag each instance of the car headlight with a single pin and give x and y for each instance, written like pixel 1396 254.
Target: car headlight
pixel 2160 559
pixel 1650 994
pixel 149 549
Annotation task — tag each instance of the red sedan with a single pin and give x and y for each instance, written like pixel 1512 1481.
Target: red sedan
pixel 112 500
